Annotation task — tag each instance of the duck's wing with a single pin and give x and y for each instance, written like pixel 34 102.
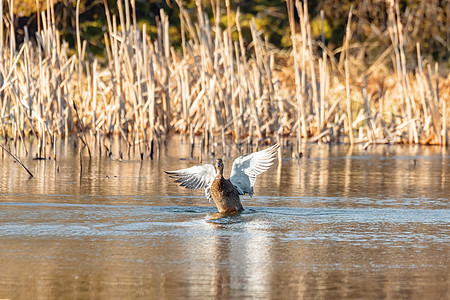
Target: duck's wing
pixel 247 167
pixel 196 177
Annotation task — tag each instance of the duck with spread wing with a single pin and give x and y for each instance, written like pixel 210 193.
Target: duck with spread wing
pixel 225 192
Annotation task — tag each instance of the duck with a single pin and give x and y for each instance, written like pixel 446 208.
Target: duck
pixel 225 193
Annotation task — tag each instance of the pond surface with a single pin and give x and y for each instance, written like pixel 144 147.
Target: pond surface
pixel 336 223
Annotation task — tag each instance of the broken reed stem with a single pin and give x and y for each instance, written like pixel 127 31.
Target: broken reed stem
pixel 17 159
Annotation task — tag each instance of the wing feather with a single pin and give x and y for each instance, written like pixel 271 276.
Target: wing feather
pixel 246 168
pixel 196 177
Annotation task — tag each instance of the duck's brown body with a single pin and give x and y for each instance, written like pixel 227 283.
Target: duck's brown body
pixel 225 195
pixel 223 192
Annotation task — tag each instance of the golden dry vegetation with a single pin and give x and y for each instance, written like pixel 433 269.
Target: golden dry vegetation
pixel 215 85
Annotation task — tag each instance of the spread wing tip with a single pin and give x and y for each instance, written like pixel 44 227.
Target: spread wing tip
pixel 174 174
pixel 274 148
pixel 195 177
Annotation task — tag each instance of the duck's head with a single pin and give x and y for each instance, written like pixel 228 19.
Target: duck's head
pixel 219 166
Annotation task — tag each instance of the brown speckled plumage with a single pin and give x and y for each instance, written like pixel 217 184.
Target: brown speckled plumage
pixel 223 192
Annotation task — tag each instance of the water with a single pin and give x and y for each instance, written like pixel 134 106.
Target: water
pixel 334 224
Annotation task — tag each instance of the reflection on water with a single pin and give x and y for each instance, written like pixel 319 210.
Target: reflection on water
pixel 335 224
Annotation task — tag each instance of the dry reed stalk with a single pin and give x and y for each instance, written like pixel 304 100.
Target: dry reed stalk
pixel 324 82
pixel 312 71
pixel 301 123
pixel 242 70
pixel 255 92
pixel 420 82
pixel 347 77
pixel 302 71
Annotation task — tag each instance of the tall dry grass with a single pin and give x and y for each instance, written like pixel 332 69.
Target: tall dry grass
pixel 214 86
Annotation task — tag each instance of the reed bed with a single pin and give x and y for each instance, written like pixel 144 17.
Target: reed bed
pixel 215 86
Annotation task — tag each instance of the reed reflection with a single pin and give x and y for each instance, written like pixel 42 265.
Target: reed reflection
pixel 346 176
